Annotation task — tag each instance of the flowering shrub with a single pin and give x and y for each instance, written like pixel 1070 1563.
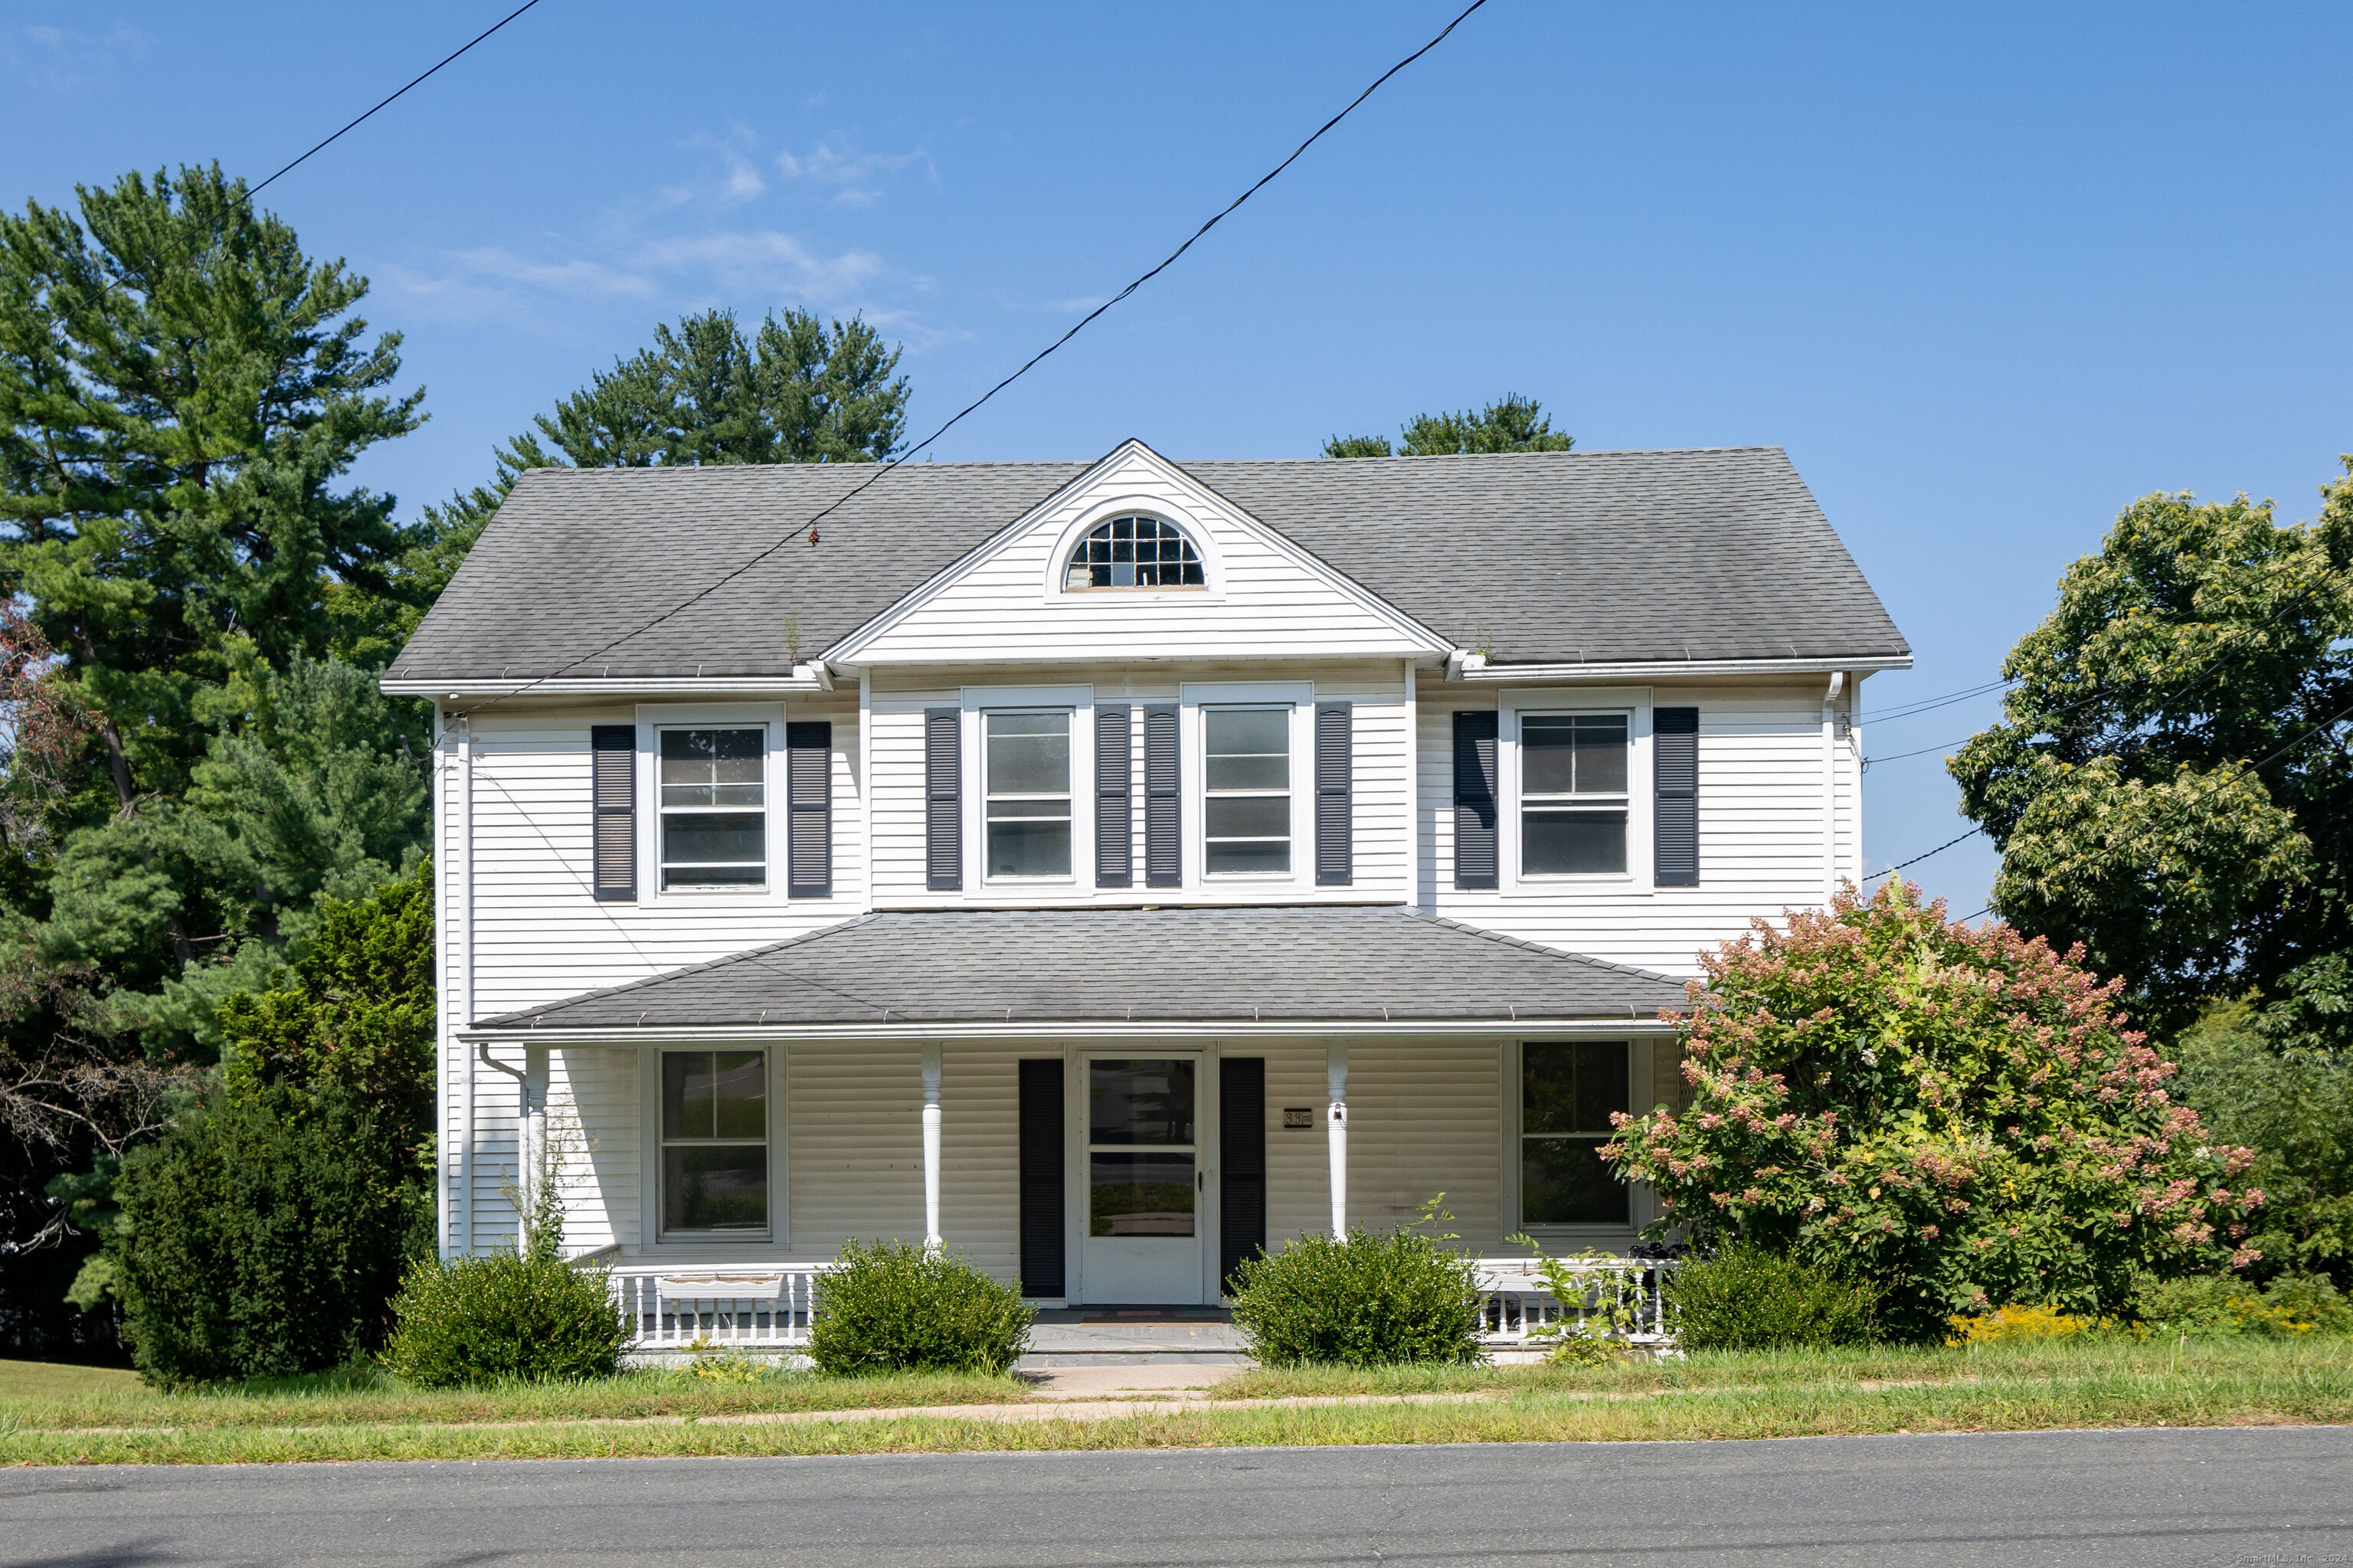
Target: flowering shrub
pixel 2217 1305
pixel 2022 1323
pixel 1959 1117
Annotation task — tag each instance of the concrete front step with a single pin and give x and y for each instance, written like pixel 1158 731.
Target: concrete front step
pixel 1097 1343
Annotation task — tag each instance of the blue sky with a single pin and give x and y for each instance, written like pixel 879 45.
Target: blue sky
pixel 1987 272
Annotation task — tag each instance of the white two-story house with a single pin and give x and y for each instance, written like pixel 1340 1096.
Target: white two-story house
pixel 1111 869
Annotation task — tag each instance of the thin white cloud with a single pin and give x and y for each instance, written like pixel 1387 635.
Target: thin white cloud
pixel 853 176
pixel 577 279
pixel 764 260
pixel 66 59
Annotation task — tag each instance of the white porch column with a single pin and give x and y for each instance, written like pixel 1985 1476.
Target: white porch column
pixel 533 1130
pixel 931 1147
pixel 1335 1131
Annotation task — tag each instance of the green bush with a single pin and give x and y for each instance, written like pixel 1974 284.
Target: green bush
pixel 503 1317
pixel 261 1238
pixel 1959 1115
pixel 1745 1298
pixel 892 1307
pixel 1364 1300
pixel 2211 1306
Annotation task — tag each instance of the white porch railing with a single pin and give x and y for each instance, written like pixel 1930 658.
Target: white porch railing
pixel 1516 1303
pixel 739 1307
pixel 768 1306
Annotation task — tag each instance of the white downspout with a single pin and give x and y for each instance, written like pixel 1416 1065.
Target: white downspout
pixel 522 1075
pixel 1335 1131
pixel 932 1146
pixel 1830 787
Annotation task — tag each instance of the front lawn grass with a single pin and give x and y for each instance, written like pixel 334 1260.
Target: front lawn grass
pixel 1987 1388
pixel 37 1397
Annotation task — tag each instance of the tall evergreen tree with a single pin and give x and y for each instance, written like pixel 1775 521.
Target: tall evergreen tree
pixel 1510 424
pixel 795 391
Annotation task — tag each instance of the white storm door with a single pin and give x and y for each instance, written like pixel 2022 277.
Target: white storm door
pixel 1145 1184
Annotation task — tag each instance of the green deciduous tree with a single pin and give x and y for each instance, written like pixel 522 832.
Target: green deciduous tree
pixel 1958 1117
pixel 795 391
pixel 2123 784
pixel 1510 424
pixel 2272 1080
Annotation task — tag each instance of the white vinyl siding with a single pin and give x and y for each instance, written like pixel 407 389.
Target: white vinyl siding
pixel 540 936
pixel 1760 830
pixel 1261 597
pixel 1381 795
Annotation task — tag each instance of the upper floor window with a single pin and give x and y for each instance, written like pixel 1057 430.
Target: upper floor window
pixel 1573 797
pixel 715 819
pixel 1246 790
pixel 1027 776
pixel 1134 552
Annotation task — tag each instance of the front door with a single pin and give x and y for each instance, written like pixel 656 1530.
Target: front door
pixel 1145 1181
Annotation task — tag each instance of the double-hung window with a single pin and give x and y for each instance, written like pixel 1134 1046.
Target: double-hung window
pixel 1027 773
pixel 714 1143
pixel 715 818
pixel 1573 799
pixel 1246 792
pixel 1568 1092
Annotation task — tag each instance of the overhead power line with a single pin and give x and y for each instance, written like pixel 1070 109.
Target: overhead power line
pixel 413 81
pixel 807 525
pixel 2331 722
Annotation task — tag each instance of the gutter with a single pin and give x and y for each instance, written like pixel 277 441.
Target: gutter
pixel 1628 1021
pixel 1465 666
pixel 812 677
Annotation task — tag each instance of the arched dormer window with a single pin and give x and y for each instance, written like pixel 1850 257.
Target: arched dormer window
pixel 1134 552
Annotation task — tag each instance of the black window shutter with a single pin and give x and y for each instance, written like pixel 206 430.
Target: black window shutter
pixel 1114 826
pixel 1334 803
pixel 1164 862
pixel 1475 849
pixel 1241 1136
pixel 1674 808
pixel 944 799
pixel 1041 1178
pixel 613 791
pixel 808 809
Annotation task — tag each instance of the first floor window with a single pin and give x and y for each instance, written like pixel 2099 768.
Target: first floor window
pixel 1567 1095
pixel 1246 792
pixel 715 1141
pixel 715 818
pixel 1572 794
pixel 1028 774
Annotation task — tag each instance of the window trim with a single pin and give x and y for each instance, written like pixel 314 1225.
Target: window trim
pixel 1068 795
pixel 652 719
pixel 662 812
pixel 650 1238
pixel 1188 520
pixel 1634 705
pixel 1151 514
pixel 1192 737
pixel 1079 702
pixel 1642 1203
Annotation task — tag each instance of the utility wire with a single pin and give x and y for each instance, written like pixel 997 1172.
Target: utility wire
pixel 809 525
pixel 2199 799
pixel 355 124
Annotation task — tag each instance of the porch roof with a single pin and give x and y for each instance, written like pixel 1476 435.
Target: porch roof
pixel 1275 964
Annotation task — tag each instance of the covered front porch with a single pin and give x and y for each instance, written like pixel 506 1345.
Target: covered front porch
pixel 1109 1134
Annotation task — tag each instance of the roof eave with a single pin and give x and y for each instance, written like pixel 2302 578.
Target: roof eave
pixel 1626 1022
pixel 1475 670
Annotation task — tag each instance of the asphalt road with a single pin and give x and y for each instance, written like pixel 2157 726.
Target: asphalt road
pixel 2150 1500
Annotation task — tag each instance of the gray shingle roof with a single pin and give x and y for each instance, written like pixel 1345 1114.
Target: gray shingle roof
pixel 1068 966
pixel 1538 557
